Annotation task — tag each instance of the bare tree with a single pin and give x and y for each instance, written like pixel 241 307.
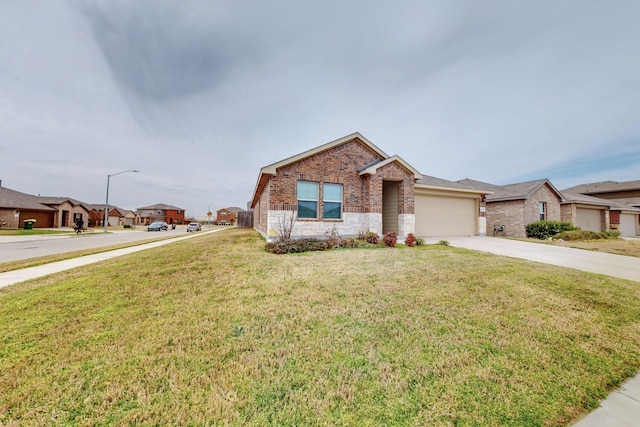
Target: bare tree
pixel 286 223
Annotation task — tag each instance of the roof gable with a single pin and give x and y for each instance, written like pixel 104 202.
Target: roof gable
pixel 373 168
pixel 272 168
pixel 520 191
pixel 161 206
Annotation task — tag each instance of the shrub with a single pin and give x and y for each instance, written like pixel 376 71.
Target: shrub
pixel 291 246
pixel 390 239
pixel 419 241
pixel 574 235
pixel 371 237
pixel 410 240
pixel 544 229
pixel 444 243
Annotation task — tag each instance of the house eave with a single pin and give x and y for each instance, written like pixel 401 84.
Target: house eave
pixel 452 189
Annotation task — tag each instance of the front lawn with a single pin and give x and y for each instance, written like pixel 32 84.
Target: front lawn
pixel 612 246
pixel 215 331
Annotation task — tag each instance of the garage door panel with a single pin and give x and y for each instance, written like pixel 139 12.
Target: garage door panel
pixel 445 216
pixel 589 219
pixel 628 225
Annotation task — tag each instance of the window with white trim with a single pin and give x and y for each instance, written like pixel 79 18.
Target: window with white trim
pixel 307 199
pixel 332 201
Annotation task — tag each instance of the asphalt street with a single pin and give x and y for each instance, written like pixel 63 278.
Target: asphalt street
pixel 16 248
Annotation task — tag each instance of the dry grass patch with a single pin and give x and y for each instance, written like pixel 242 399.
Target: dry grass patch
pixel 216 331
pixel 612 246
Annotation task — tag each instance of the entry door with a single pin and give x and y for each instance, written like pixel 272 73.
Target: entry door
pixel 390 194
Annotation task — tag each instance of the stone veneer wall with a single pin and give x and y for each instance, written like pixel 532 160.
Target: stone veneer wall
pixel 351 226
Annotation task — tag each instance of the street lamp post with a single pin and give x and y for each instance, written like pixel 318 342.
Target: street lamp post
pixel 106 203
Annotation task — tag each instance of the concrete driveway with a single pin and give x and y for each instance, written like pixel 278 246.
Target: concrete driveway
pixel 623 267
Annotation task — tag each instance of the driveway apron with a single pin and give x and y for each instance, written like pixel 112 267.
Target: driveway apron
pixel 620 266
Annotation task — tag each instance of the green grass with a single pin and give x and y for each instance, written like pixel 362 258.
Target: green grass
pixel 215 331
pixel 33 231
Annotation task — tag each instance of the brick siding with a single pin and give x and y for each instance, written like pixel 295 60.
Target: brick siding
pixel 361 194
pixel 514 215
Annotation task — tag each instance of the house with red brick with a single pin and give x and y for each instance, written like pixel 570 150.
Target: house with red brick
pixel 228 216
pixel 511 207
pixel 160 212
pixel 17 207
pixel 351 186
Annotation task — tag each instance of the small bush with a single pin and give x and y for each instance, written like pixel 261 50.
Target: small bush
pixel 576 235
pixel 419 241
pixel 291 246
pixel 410 240
pixel 371 237
pixel 544 229
pixel 390 239
pixel 443 243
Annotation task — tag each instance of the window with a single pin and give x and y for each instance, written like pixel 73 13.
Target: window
pixel 332 201
pixel 542 207
pixel 307 199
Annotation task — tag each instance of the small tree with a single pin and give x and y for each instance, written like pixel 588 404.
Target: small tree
pixel 285 225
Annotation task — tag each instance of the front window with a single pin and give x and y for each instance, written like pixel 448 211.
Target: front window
pixel 542 207
pixel 307 199
pixel 332 201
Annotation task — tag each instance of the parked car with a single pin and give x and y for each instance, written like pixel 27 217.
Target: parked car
pixel 193 226
pixel 158 226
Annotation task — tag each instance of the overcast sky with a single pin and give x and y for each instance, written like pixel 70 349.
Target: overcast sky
pixel 199 95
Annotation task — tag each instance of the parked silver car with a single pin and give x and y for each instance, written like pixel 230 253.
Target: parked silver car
pixel 193 226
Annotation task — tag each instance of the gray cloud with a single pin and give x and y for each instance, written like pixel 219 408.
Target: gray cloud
pixel 200 94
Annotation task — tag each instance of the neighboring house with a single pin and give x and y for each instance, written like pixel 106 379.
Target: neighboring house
pixel 161 212
pixel 351 186
pixel 115 217
pixel 228 215
pixel 596 214
pixel 69 211
pixel 119 217
pixel 16 207
pixel 623 193
pixel 96 215
pixel 511 207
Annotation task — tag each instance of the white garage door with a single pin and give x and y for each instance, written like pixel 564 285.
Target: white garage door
pixel 589 219
pixel 628 225
pixel 445 216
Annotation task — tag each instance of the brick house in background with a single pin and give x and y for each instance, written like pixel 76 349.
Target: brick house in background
pixel 511 207
pixel 352 186
pixel 161 212
pixel 69 211
pixel 228 215
pixel 514 206
pixel 625 193
pixel 16 207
